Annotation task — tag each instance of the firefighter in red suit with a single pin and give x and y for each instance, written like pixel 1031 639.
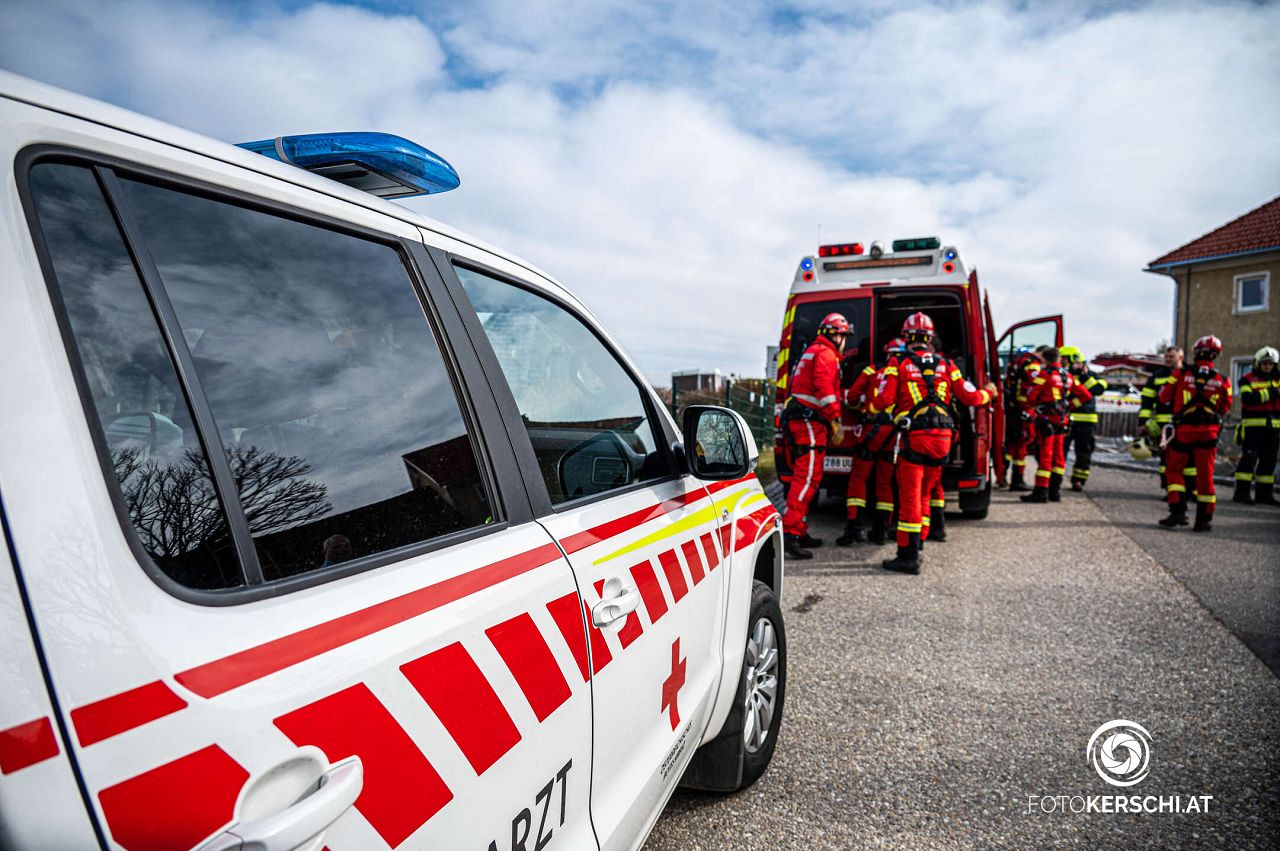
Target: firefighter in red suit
pixel 1017 414
pixel 811 418
pixel 922 387
pixel 868 452
pixel 1200 396
pixel 1050 397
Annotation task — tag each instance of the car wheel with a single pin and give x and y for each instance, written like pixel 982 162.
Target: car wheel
pixel 741 752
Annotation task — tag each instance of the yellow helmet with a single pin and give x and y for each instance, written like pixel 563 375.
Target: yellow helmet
pixel 1140 448
pixel 1071 354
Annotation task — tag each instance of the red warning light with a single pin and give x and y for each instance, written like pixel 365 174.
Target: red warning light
pixel 948 267
pixel 841 250
pixel 807 276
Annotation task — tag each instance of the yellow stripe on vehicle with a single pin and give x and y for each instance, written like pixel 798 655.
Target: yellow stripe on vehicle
pixel 698 518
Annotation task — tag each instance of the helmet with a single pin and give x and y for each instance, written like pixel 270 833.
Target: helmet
pixel 1140 448
pixel 1070 354
pixel 918 326
pixel 1209 345
pixel 834 323
pixel 1266 353
pixel 894 345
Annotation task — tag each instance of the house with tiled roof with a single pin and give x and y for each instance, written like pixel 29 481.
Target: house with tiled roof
pixel 1225 284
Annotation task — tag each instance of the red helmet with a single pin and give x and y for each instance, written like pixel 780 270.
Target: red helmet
pixel 1208 344
pixel 917 325
pixel 834 323
pixel 894 345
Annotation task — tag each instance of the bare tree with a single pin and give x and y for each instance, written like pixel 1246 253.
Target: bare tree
pixel 176 509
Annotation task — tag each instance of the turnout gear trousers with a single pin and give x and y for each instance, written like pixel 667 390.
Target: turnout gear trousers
pixel 808 448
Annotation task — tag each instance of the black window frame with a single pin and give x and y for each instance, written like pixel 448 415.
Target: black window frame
pixel 664 436
pixel 499 470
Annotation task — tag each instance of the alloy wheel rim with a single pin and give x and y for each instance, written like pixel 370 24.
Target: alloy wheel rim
pixel 762 685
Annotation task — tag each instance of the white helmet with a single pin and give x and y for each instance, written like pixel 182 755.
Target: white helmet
pixel 1266 353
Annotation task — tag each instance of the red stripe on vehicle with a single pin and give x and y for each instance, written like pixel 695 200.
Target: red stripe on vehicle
pixel 631 628
pixel 655 604
pixel 26 744
pixel 526 654
pixel 726 538
pixel 402 790
pixel 710 551
pixel 675 576
pixel 567 613
pixel 696 570
pixel 604 531
pixel 229 672
pixel 452 684
pixel 175 805
pixel 114 715
pixel 749 527
pixel 600 655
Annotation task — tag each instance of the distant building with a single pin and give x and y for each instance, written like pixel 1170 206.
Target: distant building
pixel 1223 286
pixel 1121 369
pixel 698 381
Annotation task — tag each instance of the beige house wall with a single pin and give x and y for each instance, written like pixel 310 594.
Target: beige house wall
pixel 1206 301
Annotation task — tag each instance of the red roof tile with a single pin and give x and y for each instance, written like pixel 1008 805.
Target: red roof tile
pixel 1254 231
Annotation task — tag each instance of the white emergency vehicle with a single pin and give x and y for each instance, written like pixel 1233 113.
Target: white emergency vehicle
pixel 327 525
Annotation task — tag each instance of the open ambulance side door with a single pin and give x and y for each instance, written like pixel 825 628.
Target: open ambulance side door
pixel 996 375
pixel 1041 331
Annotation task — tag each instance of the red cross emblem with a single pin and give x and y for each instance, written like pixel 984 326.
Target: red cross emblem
pixel 671 685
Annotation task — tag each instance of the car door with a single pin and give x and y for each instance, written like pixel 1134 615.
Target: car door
pixel 645 542
pixel 279 556
pixel 1041 331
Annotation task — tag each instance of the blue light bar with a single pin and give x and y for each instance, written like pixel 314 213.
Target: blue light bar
pixel 806 264
pixel 378 163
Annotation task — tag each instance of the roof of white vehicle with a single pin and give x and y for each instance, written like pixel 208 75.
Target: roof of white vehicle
pixel 45 96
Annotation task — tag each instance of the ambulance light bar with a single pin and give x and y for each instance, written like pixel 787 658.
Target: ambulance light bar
pixel 924 243
pixel 840 250
pixel 880 263
pixel 378 163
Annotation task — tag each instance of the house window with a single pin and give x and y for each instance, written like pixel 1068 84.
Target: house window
pixel 1251 292
pixel 1239 366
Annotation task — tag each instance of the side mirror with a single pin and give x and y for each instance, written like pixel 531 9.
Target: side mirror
pixel 717 443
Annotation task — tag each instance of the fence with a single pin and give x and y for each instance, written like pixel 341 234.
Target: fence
pixel 753 400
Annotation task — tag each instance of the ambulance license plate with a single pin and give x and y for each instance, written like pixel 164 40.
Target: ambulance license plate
pixel 837 464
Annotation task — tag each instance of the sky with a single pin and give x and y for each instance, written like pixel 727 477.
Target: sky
pixel 671 162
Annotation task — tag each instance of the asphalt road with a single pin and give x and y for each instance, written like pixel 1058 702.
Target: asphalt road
pixel 922 712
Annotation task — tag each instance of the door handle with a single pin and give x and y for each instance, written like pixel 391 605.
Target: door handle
pixel 302 824
pixel 617 602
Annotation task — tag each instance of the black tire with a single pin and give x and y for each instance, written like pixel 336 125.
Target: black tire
pixel 726 763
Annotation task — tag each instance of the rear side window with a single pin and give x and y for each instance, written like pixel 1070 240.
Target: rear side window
pixel 332 400
pixel 584 414
pixel 160 466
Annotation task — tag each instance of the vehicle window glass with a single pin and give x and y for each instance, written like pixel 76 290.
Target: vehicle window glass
pixel 583 411
pixel 1034 335
pixel 331 396
pixel 149 431
pixel 857 353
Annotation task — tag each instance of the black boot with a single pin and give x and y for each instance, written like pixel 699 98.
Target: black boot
pixel 807 540
pixel 1177 514
pixel 1077 485
pixel 937 523
pixel 1204 520
pixel 908 558
pixel 1055 487
pixel 1244 492
pixel 1016 482
pixel 1038 495
pixel 852 532
pixel 791 546
pixel 879 525
pixel 1265 494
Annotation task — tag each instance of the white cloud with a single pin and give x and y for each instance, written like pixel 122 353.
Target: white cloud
pixel 671 163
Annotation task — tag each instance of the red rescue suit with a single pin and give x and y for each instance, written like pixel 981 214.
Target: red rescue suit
pixel 1200 397
pixel 808 417
pixel 1017 413
pixel 921 387
pixel 1049 396
pixel 871 441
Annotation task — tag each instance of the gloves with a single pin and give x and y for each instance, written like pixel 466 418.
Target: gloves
pixel 837 431
pixel 1239 434
pixel 1153 431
